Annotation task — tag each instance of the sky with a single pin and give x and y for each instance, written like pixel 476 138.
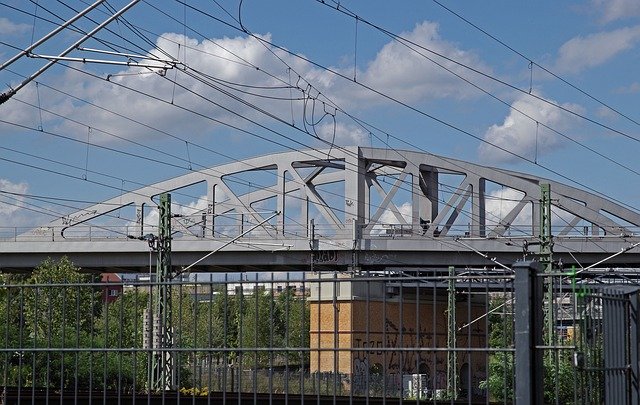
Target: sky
pixel 547 88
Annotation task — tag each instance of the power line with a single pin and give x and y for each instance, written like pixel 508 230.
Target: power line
pixel 530 60
pixel 401 39
pixel 307 131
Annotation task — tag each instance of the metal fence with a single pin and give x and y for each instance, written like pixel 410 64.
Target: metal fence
pixel 324 336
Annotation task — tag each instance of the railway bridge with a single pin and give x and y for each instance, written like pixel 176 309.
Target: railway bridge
pixel 364 207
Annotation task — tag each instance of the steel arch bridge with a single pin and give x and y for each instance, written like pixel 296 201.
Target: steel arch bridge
pixel 365 207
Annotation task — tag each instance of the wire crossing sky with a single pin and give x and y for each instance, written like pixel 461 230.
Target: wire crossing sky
pixel 174 86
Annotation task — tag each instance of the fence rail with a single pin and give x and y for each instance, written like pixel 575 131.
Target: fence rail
pixel 432 336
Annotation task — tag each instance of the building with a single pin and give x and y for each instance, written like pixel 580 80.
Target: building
pixel 113 288
pixel 365 330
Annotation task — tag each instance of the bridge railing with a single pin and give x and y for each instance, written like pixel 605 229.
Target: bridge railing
pixel 290 232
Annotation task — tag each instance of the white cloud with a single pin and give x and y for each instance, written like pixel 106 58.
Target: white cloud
pixel 7 27
pixel 611 10
pixel 606 113
pixel 389 218
pixel 585 52
pixel 12 203
pixel 395 70
pixel 499 203
pixel 410 77
pixel 519 135
pixel 633 88
pixel 151 218
pixel 343 134
pixel 13 212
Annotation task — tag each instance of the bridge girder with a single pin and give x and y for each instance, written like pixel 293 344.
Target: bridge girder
pixel 367 199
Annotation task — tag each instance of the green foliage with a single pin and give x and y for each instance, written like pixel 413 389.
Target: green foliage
pixel 500 376
pixel 274 320
pixel 61 333
pixel 559 373
pixel 58 316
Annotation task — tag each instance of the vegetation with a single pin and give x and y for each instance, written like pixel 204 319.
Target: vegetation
pixel 560 375
pixel 58 331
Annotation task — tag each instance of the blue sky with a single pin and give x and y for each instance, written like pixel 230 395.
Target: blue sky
pixel 420 99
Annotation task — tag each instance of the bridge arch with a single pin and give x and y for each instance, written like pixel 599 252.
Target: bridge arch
pixel 397 208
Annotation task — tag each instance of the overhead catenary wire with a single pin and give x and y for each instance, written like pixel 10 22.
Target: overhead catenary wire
pixel 550 128
pixel 116 187
pixel 8 94
pixel 332 71
pixel 434 118
pixel 406 41
pixel 148 147
pixel 411 44
pixel 545 69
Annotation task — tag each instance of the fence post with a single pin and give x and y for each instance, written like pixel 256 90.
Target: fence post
pixel 528 290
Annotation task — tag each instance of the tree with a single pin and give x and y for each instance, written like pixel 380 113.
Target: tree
pixel 257 329
pixel 500 382
pixel 559 372
pixel 59 327
pixel 51 309
pixel 120 326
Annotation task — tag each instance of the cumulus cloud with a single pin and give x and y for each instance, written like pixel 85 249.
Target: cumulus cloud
pixel 12 203
pixel 12 212
pixel 192 208
pixel 612 10
pixel 190 106
pixel 408 76
pixel 606 113
pixel 343 134
pixel 389 218
pixel 227 66
pixel 7 27
pixel 521 136
pixel 633 88
pixel 499 203
pixel 584 52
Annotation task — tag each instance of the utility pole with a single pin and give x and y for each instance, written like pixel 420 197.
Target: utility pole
pixel 162 361
pixel 546 254
pixel 452 375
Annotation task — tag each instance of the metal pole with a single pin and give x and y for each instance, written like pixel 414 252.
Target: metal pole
pixel 8 94
pixel 529 387
pixel 546 255
pixel 452 374
pixel 162 360
pixel 50 35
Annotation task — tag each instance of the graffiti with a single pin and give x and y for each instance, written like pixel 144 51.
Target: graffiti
pixel 325 256
pixel 371 344
pixel 393 368
pixel 360 374
pixel 186 221
pixel 70 220
pixel 373 257
pixel 42 231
